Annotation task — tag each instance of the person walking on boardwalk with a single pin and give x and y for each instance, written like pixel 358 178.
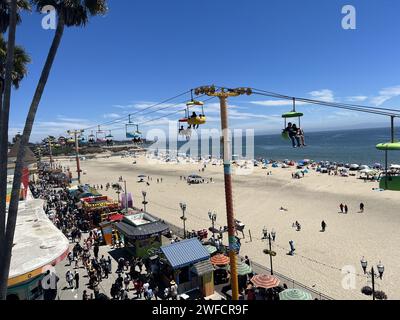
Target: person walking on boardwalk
pixel 69 277
pixel 346 209
pixel 76 278
pixel 362 207
pixel 341 207
pixel 96 251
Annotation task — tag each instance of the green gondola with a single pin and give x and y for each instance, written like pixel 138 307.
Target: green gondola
pixel 292 114
pixel 390 146
pixel 391 179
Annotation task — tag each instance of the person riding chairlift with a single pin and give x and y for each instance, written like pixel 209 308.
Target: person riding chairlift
pixel 194 116
pixel 291 129
pixel 300 135
pixel 296 135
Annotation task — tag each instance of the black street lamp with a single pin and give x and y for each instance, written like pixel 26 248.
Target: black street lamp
pixel 183 218
pixel 213 217
pixel 144 202
pixel 267 236
pixel 381 270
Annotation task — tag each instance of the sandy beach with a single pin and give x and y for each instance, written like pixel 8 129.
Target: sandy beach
pixel 258 198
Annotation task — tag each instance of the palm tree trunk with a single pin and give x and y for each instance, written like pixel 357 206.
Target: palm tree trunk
pixel 13 208
pixel 5 111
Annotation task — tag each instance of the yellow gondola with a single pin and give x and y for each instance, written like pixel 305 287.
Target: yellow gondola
pixel 194 119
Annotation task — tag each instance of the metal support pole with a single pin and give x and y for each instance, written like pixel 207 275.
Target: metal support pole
pixel 392 127
pixel 50 152
pixel 270 254
pixel 126 198
pixel 373 283
pixel 184 223
pixel 78 166
pixel 228 196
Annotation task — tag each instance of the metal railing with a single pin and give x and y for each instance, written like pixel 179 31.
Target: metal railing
pixel 260 269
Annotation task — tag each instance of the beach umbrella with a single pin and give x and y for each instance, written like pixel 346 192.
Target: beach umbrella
pixel 294 294
pixel 242 269
pixel 142 176
pixel 265 281
pixel 220 260
pixel 211 249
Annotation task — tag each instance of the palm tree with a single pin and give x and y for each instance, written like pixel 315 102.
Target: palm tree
pixel 9 74
pixel 5 13
pixel 18 73
pixel 69 13
pixel 12 71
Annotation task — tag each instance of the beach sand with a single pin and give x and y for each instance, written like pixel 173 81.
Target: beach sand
pixel 258 198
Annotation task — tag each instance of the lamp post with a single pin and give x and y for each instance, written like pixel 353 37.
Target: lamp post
pixel 213 217
pixel 126 198
pixel 381 270
pixel 267 236
pixel 144 194
pixel 183 218
pixel 76 134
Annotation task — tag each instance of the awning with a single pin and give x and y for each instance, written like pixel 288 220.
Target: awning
pixel 185 253
pixel 142 232
pixel 202 268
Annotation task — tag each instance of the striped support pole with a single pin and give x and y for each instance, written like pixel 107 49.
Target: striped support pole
pixel 229 198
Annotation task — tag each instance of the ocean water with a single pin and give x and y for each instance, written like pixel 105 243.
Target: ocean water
pixel 347 146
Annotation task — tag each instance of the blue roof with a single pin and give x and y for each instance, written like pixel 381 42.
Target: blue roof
pixel 184 253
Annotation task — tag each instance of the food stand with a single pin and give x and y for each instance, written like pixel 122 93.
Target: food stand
pixel 97 209
pixel 141 233
pixel 188 263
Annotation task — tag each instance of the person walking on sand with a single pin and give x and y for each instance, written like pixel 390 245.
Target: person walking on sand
pixel 292 248
pixel 346 209
pixel 323 226
pixel 362 207
pixel 341 207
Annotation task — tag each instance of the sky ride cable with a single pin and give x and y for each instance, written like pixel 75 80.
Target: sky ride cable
pixel 351 107
pixel 137 112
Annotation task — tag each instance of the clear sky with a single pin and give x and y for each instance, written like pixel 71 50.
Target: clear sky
pixel 143 52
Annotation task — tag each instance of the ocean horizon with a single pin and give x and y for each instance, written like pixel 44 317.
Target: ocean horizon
pixel 347 146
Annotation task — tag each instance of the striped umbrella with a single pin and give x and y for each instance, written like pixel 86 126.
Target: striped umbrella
pixel 242 269
pixel 294 294
pixel 211 249
pixel 220 260
pixel 265 281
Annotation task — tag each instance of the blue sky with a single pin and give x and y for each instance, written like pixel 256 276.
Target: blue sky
pixel 143 52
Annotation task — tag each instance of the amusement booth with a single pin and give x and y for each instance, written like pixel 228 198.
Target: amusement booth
pixel 98 209
pixel 142 233
pixel 188 264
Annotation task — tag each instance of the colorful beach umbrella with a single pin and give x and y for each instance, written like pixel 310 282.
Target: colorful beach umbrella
pixel 265 281
pixel 220 260
pixel 211 249
pixel 294 294
pixel 242 269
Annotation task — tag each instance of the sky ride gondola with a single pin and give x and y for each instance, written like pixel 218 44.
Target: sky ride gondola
pixel 132 130
pixel 109 138
pixel 291 115
pixel 186 133
pixel 100 135
pixel 391 178
pixel 194 119
pixel 91 138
